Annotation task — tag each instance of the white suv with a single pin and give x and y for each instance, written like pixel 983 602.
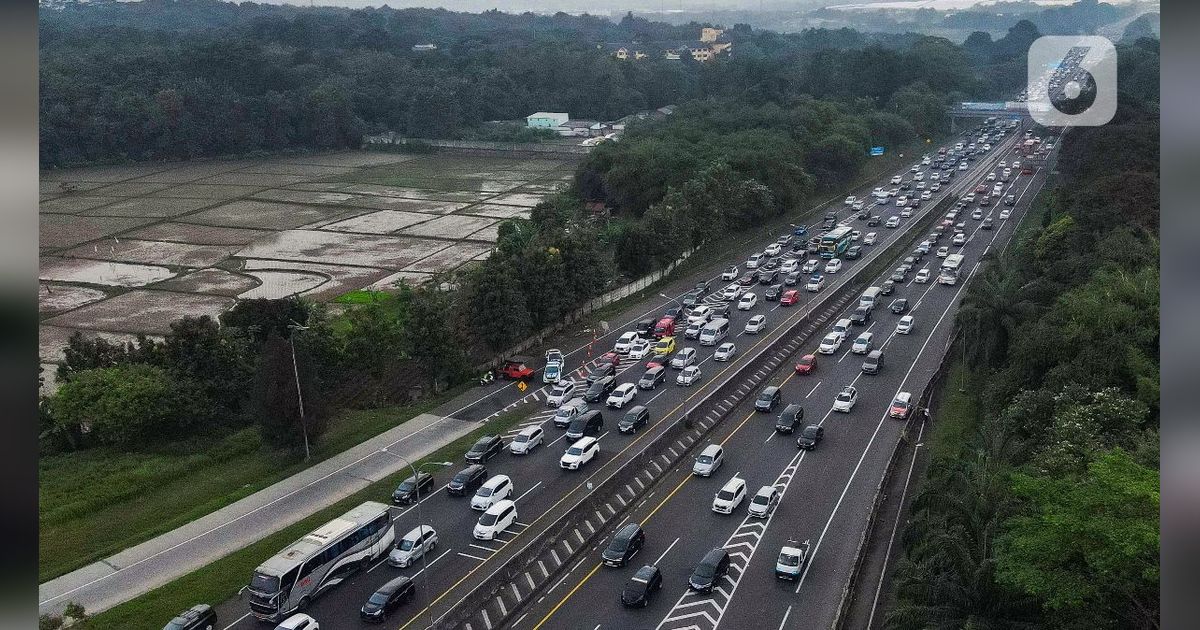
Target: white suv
pixel 730 496
pixel 581 452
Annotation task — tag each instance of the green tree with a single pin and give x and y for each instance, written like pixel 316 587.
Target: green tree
pixel 261 317
pixel 992 310
pixel 274 400
pixel 432 337
pixel 127 405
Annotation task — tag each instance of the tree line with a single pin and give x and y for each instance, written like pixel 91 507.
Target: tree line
pixel 1045 512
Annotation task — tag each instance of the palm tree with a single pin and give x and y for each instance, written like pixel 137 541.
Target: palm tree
pixel 996 304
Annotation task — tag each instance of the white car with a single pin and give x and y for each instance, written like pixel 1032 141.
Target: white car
pixel 943 252
pixel 496 519
pixel 850 200
pixel 299 621
pixel 855 235
pixel 747 302
pixel 901 201
pixel 991 177
pixel 892 222
pixel 833 266
pixel 683 358
pixel 922 276
pixel 754 260
pixel 789 266
pixel 581 452
pixel 842 327
pixel 970 198
pixel 622 345
pixel 926 195
pixel 622 395
pixel 962 166
pixel 700 314
pixel 905 325
pixel 725 351
pixel 690 375
pixel 493 491
pixel 563 391
pixel 935 187
pixel 845 399
pixel 755 324
pixel 815 284
pixel 524 442
pixel 415 544
pixel 896 179
pixel 857 205
pixel 639 348
pixel 773 249
pixel 952 215
pixel 919 175
pixel 692 331
pixel 905 213
pixel 960 239
pixel 730 273
pixel 1016 164
pixel 730 496
pixel 862 344
pixel 924 247
pixel 1005 213
pixel 731 292
pixel 830 344
pixel 764 502
pixel 1002 164
pixel 869 239
pixel 810 266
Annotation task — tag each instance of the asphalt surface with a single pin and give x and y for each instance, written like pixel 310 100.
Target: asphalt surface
pixel 827 493
pixel 541 486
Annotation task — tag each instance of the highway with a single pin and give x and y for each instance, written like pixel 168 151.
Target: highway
pixel 543 490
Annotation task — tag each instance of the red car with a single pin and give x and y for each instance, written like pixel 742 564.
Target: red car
pixel 789 298
pixel 807 364
pixel 609 357
pixel 658 360
pixel 515 369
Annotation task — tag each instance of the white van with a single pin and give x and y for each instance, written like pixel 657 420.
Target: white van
pixel 842 327
pixel 492 492
pixel 495 520
pixel 420 541
pixel 714 331
pixel 754 260
pixel 869 296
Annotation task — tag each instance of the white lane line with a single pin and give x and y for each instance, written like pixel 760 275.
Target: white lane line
pixel 810 392
pixel 483 547
pixel 896 525
pixel 467 555
pixel 664 554
pixel 531 489
pixel 239 620
pixel 788 613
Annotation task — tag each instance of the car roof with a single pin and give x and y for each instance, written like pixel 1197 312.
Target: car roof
pixel 496 480
pixel 733 482
pixel 394 585
pixel 500 506
pixel 714 555
pixel 646 572
pixel 765 490
pixel 584 442
pixel 875 354
pixel 711 449
pixel 904 396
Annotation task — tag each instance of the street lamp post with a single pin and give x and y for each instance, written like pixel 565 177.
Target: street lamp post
pixel 420 519
pixel 293 326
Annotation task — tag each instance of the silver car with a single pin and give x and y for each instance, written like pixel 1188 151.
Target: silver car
pixel 725 352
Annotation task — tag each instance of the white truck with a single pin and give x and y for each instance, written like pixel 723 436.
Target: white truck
pixel 950 269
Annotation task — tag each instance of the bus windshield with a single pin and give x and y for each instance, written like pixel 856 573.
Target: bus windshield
pixel 264 583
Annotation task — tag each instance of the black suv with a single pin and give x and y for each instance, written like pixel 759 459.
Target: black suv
pixel 767 400
pixel 692 298
pixel 767 276
pixel 467 481
pixel 711 569
pixel 791 418
pixel 861 315
pixel 589 423
pixel 887 287
pixel 899 306
pixel 600 388
pixel 772 293
pixel 387 598
pixel 626 544
pixel 874 220
pixel 810 437
pixel 853 253
pixel 414 488
pixel 198 617
pixel 641 586
pixel 484 449
pixel 637 416
pixel 652 378
pixel 600 371
pixel 645 328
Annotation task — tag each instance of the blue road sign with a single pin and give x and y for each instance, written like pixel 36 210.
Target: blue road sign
pixel 876 150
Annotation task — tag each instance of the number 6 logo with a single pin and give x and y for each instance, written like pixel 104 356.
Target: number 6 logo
pixel 1072 81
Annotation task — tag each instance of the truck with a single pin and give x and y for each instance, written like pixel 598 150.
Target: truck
pixel 950 269
pixel 514 369
pixel 790 563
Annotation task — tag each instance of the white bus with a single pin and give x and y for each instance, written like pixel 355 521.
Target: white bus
pixel 950 267
pixel 292 578
pixel 714 331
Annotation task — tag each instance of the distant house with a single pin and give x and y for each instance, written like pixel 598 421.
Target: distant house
pixel 547 120
pixel 712 43
pixel 710 35
pixel 424 47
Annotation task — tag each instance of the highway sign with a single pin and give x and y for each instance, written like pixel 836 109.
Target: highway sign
pixel 876 150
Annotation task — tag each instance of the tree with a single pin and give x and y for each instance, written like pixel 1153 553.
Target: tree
pixel 276 406
pixel 1087 548
pixel 497 308
pixel 431 336
pixel 262 317
pixel 994 306
pixel 82 354
pixel 124 405
pixel 214 365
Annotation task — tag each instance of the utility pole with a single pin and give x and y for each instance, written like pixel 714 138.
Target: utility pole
pixel 299 395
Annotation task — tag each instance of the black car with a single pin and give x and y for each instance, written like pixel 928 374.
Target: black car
pixel 828 223
pixel 767 276
pixel 874 220
pixel 637 416
pixel 645 328
pixel 653 377
pixel 1010 200
pixel 898 276
pixel 853 252
pixel 198 617
pixel 861 315
pixel 641 587
pixel 906 185
pixel 791 417
pixel 467 481
pixel 692 298
pixel 626 544
pixel 873 363
pixel 772 293
pixel 711 569
pixel 918 255
pixel 899 306
pixel 414 488
pixel 673 312
pixel 484 449
pixel 387 598
pixel 911 261
pixel 887 287
pixel 600 389
pixel 767 400
pixel 701 287
pixel 986 225
pixel 602 370
pixel 588 423
pixel 792 279
pixel 863 214
pixel 810 437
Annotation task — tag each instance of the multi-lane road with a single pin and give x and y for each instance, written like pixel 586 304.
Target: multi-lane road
pixel 823 498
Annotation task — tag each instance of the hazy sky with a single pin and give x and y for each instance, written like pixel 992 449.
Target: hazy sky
pixel 570 6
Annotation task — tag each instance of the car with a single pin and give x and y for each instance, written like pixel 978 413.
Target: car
pixel 1005 213
pixel 815 283
pixel 637 416
pixel 299 621
pixel 830 344
pixel 784 239
pixel 899 306
pixel 689 376
pixel 730 496
pixel 869 238
pixel 494 490
pixel 725 351
pixel 624 341
pixel 602 369
pixel 731 292
pixel 853 252
pixel 623 394
pixel 943 252
pixel 665 346
pixel 641 587
pixel 656 360
pixel 1002 164
pixel 600 389
pixel 774 249
pixel 789 298
pixel 899 275
pixel 747 280
pixel 638 348
pixel 692 298
pixel 514 369
pixel 496 519
pixel 693 330
pixel 467 480
pixel 977 214
pixel 384 600
pixel 755 260
pixel 934 187
pixel 645 328
pixel 789 265
pixel 713 567
pixel 842 327
pixel 755 324
pixel 991 177
pixel 897 179
pixel 850 200
pixel 959 239
pixel 960 227
pixel 861 315
pixel 970 198
pixel 772 293
pixel 906 213
pixel 747 302
pixel 922 276
pixel 807 364
pixel 625 544
pixel 874 362
pixel 569 411
pixel 700 314
pixel 905 325
pixel 810 266
pixel 888 287
pixel 581 452
pixel 683 358
pixel 198 617
pixel 833 266
pixel 862 344
pixel 764 502
pixel 413 489
pixel 901 406
pixel 791 418
pixel 708 461
pixel 845 399
pixel 412 546
pixel 526 440
pixel 653 377
pixel 810 437
pixel 901 201
pixel 987 223
pixel 874 220
pixel 730 273
pixel 962 166
pixel 792 279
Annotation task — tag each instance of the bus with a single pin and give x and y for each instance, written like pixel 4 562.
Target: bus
pixel 950 266
pixel 291 579
pixel 835 241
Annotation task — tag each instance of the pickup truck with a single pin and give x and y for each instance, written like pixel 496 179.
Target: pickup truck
pixel 514 369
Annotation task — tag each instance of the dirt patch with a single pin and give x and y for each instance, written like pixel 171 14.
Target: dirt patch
pixel 60 230
pixel 210 281
pixel 450 226
pixel 155 252
pixel 527 200
pixel 310 170
pixel 451 257
pixel 183 172
pixel 496 211
pixel 208 191
pixel 275 284
pixel 261 180
pixel 103 173
pixel 57 298
pixel 198 234
pixel 352 159
pixel 130 189
pixel 336 248
pixel 149 207
pixel 382 222
pixel 341 278
pixel 74 204
pixel 142 311
pixel 247 213
pixel 101 272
